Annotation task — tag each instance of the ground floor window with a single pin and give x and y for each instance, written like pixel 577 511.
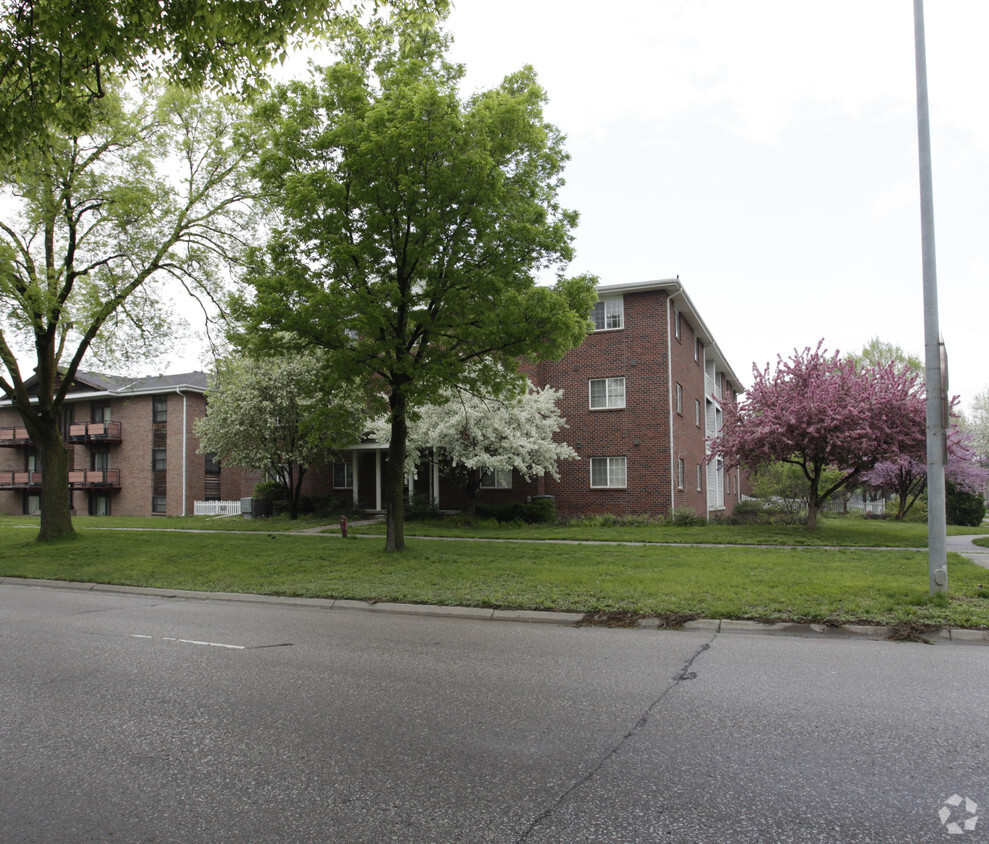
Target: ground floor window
pixel 608 472
pixel 498 479
pixel 159 504
pixel 343 475
pixel 99 505
pixel 32 505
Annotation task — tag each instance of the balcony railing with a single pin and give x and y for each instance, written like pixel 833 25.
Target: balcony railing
pixel 20 480
pixel 80 433
pixel 81 479
pixel 14 437
pixel 95 479
pixel 99 432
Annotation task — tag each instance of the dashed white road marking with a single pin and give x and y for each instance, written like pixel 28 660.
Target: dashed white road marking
pixel 191 642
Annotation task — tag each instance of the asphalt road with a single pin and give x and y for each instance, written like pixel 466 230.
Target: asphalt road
pixel 136 719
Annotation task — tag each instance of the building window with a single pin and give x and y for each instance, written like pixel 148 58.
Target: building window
pixel 700 477
pixel 159 504
pixel 680 468
pixel 697 412
pixel 99 505
pixel 676 323
pixel 679 397
pixel 159 460
pixel 160 410
pixel 33 461
pixel 608 472
pixel 608 314
pixel 101 461
pixel 498 479
pixel 32 504
pixel 697 352
pixel 100 412
pixel 212 464
pixel 607 392
pixel 343 475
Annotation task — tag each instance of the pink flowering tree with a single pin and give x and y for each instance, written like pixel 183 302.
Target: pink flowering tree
pixel 907 476
pixel 818 411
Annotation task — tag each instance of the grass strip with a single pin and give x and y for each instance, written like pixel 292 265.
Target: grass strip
pixel 833 532
pixel 805 584
pixel 211 523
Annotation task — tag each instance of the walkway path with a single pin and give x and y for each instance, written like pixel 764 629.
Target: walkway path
pixel 963 545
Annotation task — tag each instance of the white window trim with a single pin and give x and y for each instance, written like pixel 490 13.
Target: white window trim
pixel 498 479
pixel 677 331
pixel 607 394
pixel 348 474
pixel 700 478
pixel 679 398
pixel 697 412
pixel 619 312
pixel 617 461
pixel 680 471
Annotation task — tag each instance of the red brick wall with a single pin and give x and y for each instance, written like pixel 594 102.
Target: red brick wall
pixel 133 455
pixel 639 432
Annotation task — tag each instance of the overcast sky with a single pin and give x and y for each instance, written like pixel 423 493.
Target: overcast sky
pixel 766 152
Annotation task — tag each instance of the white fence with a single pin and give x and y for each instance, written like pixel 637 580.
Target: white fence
pixel 216 508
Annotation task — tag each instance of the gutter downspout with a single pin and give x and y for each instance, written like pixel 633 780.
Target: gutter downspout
pixel 185 400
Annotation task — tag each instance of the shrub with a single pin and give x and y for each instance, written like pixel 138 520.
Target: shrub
pixel 962 507
pixel 269 491
pixel 420 507
pixel 685 517
pixel 537 510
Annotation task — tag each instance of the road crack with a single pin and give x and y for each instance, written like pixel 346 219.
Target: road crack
pixel 685 674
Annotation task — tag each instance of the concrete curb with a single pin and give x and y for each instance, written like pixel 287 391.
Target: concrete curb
pixel 571 619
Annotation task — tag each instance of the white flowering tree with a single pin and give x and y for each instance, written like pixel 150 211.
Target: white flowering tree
pixel 280 414
pixel 470 436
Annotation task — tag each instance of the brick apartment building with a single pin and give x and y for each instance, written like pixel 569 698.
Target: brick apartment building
pixel 641 395
pixel 132 451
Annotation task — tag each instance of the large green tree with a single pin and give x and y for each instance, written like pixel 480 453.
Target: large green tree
pixel 280 414
pixel 411 224
pixel 57 56
pixel 91 225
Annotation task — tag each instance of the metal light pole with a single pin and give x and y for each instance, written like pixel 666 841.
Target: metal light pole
pixel 937 563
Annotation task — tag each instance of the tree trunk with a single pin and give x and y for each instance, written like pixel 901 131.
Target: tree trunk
pixel 812 503
pixel 56 506
pixel 395 479
pixel 295 492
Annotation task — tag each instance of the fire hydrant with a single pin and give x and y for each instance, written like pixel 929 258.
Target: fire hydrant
pixel 343 526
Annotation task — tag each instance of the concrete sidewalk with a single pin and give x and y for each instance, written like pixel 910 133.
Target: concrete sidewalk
pixel 963 545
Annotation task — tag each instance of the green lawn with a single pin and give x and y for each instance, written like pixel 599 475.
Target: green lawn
pixel 222 523
pixel 677 582
pixel 841 532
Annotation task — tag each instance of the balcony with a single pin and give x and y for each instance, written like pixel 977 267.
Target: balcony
pixel 80 433
pixel 94 432
pixel 20 480
pixel 14 438
pixel 108 479
pixel 94 478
